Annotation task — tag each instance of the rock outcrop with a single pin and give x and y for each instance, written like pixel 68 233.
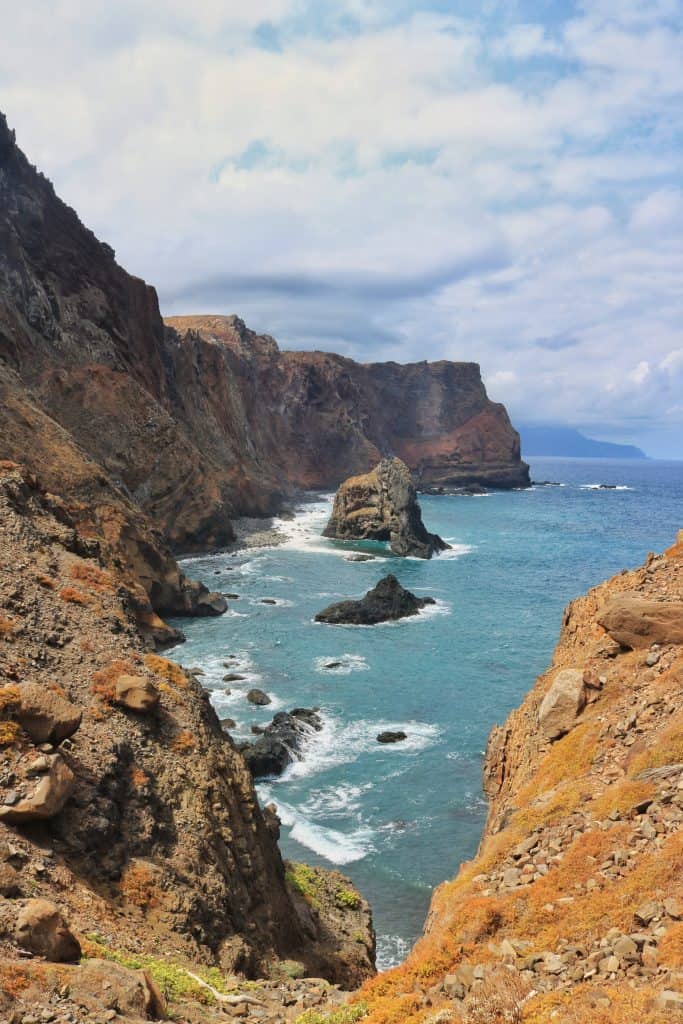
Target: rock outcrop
pixel 281 742
pixel 573 907
pixel 387 601
pixel 382 505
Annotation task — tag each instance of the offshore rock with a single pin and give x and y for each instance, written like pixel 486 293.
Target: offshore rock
pixel 385 602
pixel 280 742
pixel 382 505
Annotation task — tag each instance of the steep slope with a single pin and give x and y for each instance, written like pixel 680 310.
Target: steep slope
pixel 573 908
pixel 121 799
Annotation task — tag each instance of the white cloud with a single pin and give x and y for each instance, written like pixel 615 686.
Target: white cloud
pixel 389 192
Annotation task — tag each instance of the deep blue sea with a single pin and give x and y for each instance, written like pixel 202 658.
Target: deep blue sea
pixel 399 820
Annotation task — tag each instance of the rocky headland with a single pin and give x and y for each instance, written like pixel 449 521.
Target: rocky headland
pixel 386 602
pixel 382 505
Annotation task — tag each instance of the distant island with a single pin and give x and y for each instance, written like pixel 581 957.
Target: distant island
pixel 541 439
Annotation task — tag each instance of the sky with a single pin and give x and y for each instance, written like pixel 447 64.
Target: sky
pixel 498 181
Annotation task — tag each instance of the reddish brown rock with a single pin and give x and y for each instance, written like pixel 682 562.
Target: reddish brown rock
pixel 136 693
pixel 635 621
pixel 46 796
pixel 42 929
pixel 46 715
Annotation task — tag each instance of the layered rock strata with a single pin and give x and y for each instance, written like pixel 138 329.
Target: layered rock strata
pixel 382 505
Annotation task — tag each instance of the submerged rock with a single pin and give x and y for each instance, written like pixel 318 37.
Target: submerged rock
pixel 387 601
pixel 382 505
pixel 280 742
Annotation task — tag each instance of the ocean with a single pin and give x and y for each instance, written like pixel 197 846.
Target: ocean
pixel 400 819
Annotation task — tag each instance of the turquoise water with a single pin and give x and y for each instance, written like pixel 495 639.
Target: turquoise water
pixel 399 820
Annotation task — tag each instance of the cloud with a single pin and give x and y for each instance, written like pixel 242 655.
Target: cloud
pixel 386 178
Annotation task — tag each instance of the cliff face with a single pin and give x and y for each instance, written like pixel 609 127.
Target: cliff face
pixel 124 803
pixel 202 419
pixel 315 418
pixel 573 908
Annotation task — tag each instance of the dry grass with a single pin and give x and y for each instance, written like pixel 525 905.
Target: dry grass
pixel 584 1005
pixel 138 778
pixel 497 1000
pixel 7 628
pixel 73 596
pixel 103 682
pixel 13 979
pixel 92 577
pixel 166 670
pixel 671 946
pixel 183 743
pixel 138 886
pixel 664 748
pixel 9 733
pixel 46 581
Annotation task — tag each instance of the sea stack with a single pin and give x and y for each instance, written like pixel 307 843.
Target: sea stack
pixel 382 505
pixel 386 601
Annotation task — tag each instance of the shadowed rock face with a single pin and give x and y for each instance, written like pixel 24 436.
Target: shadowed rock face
pixel 382 505
pixel 387 601
pixel 200 419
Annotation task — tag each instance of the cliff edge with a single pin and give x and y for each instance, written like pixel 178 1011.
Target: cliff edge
pixel 572 909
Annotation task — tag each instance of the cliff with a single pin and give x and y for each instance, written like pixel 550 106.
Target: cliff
pixel 315 418
pixel 127 809
pixel 572 909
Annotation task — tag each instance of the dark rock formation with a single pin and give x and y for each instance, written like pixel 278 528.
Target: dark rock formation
pixel 388 600
pixel 382 505
pixel 392 736
pixel 280 742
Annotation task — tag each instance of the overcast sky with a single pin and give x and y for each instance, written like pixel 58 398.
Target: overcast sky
pixel 490 180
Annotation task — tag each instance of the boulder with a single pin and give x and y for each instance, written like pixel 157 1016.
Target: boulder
pixel 46 715
pixel 280 742
pixel 51 792
pixel 635 621
pixel 382 505
pixel 136 694
pixel 258 697
pixel 565 699
pixel 387 601
pixel 391 737
pixel 100 985
pixel 42 929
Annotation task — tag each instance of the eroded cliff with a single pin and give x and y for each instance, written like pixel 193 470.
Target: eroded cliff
pixel 573 908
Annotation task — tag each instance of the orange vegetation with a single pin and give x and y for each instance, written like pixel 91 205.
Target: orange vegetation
pixel 137 886
pixel 73 596
pixel 91 576
pixel 103 683
pixel 183 742
pixel 7 628
pixel 46 581
pixel 167 670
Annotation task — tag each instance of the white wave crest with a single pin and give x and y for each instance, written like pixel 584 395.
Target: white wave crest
pixel 335 846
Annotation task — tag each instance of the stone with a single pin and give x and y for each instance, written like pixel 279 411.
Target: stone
pixel 101 985
pixel 391 737
pixel 382 505
pixel 10 881
pixel 668 1000
pixel 387 601
pixel 136 693
pixel 637 622
pixel 626 949
pixel 553 964
pixel 453 987
pixel 647 912
pixel 258 697
pixel 281 742
pixel 42 929
pixel 46 715
pixel 511 876
pixel 47 799
pixel 563 702
pixel 673 909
